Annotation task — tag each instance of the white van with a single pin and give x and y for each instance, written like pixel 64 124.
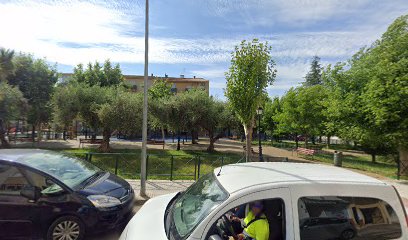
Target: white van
pixel 300 201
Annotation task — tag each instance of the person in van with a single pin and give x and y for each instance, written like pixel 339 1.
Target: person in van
pixel 255 223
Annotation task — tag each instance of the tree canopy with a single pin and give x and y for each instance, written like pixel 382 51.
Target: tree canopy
pixel 252 70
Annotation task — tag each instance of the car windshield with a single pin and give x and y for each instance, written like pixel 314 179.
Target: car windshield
pixel 196 203
pixel 67 169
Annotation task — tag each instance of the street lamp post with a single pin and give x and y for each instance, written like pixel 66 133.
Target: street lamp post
pixel 259 112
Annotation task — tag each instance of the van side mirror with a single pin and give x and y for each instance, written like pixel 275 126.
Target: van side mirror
pixel 214 237
pixel 31 193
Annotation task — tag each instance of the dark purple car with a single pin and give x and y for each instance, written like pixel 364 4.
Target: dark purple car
pixel 49 195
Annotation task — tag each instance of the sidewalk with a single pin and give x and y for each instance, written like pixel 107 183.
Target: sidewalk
pixel 156 188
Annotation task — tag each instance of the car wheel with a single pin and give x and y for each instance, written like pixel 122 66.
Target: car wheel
pixel 347 234
pixel 66 228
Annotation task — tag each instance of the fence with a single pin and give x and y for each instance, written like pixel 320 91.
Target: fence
pixel 162 167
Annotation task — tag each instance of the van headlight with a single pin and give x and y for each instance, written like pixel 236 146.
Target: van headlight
pixel 103 201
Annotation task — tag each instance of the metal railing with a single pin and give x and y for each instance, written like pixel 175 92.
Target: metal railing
pixel 159 166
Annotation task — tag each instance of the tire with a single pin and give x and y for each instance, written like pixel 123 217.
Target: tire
pixel 348 234
pixel 66 226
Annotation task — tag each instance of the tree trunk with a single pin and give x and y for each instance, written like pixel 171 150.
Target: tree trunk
pixel 248 142
pixel 313 140
pixel 105 142
pixel 178 140
pixel 328 141
pixel 373 158
pixel 296 141
pixel 211 147
pixel 193 137
pixel 306 141
pixel 33 133
pixel 4 142
pixel 163 136
pixel 403 156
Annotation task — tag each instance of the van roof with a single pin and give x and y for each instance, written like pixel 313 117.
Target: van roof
pixel 240 176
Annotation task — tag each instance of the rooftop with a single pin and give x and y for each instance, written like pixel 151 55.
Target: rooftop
pixel 239 176
pixel 182 78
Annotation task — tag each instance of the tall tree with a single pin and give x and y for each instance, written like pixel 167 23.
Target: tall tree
pixel 314 76
pixel 12 103
pixel 385 96
pixel 36 80
pixel 252 70
pixel 6 64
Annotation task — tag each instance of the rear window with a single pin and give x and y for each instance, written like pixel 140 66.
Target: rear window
pixel 325 218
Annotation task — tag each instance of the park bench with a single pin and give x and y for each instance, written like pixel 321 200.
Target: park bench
pixel 20 139
pixel 305 151
pixel 83 141
pixel 155 142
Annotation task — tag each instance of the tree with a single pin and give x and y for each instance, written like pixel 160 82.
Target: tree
pixel 122 114
pixel 252 70
pixel 6 64
pixel 385 95
pixel 272 108
pixel 160 91
pixel 95 74
pixel 302 111
pixel 314 76
pixel 11 105
pixel 36 80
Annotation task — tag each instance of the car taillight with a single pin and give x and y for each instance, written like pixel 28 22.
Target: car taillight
pixel 402 204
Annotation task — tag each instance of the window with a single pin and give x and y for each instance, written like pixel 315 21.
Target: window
pixel 324 218
pixel 269 223
pixel 47 186
pixel 70 170
pixel 11 180
pixel 194 205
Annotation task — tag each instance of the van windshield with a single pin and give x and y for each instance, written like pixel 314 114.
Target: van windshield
pixel 196 203
pixel 67 169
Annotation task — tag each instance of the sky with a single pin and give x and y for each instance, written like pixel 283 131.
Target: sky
pixel 195 37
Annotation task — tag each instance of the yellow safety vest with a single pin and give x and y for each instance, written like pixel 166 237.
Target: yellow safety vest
pixel 258 230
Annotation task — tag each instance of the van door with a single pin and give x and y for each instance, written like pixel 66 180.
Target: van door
pixel 277 208
pixel 15 218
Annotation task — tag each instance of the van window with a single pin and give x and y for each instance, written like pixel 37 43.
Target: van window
pixel 11 180
pixel 261 219
pixel 324 218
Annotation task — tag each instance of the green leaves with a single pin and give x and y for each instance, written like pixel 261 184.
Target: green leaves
pixel 252 70
pixel 95 74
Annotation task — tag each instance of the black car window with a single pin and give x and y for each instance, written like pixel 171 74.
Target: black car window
pixel 324 218
pixel 11 180
pixel 46 185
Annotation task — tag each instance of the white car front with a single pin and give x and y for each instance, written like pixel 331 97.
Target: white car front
pixel 148 223
pixel 176 216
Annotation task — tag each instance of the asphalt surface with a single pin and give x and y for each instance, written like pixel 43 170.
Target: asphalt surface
pixel 112 234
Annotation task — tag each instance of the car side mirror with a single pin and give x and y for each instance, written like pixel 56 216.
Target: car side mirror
pixel 214 237
pixel 31 193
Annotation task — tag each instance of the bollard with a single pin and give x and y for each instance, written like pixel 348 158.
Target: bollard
pixel 338 159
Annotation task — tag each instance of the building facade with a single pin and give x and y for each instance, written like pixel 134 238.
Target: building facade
pixel 178 84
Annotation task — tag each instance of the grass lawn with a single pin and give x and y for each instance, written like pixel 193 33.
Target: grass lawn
pixel 186 164
pixel 382 166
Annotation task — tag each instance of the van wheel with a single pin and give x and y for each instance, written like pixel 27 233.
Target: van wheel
pixel 66 228
pixel 347 234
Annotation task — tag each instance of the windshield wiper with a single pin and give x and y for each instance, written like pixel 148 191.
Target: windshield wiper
pixel 91 179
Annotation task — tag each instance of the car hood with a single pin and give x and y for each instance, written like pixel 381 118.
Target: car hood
pixel 107 184
pixel 148 223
